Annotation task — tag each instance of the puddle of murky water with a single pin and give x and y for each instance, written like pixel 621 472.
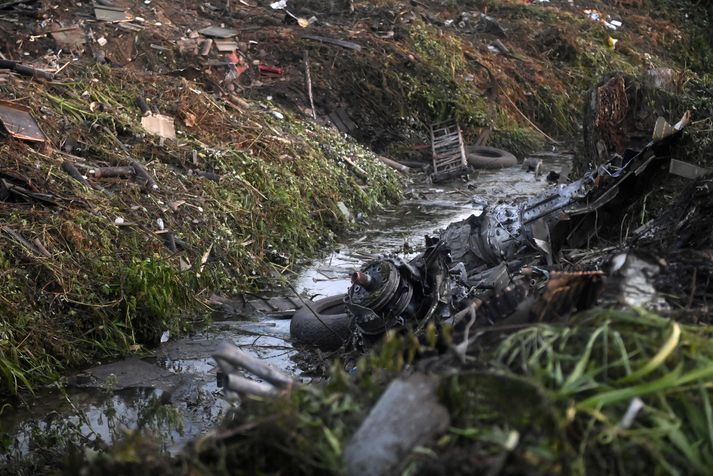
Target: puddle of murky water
pixel 175 392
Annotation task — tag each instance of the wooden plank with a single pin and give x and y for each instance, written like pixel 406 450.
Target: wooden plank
pixel 686 169
pixel 348 123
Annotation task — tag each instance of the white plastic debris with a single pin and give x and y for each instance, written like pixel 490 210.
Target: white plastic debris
pixel 278 114
pixel 102 41
pixel 345 211
pixel 159 125
pixel 159 223
pixel 281 5
pixel 165 336
pixel 118 221
pixel 634 408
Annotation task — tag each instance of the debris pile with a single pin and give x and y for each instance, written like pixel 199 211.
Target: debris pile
pixel 154 152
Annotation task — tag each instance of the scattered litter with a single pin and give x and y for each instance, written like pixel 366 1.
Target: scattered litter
pixel 19 123
pixel 118 221
pixel 407 415
pixel 342 121
pixel 205 46
pixel 634 408
pixel 69 38
pixel 102 41
pixel 130 26
pixel 498 46
pixel 637 276
pixel 345 211
pixel 24 70
pixel 305 22
pixel 165 336
pixel 236 66
pixel 532 164
pixel 490 25
pixel 663 129
pixel 110 14
pixel 281 5
pixel 224 46
pixel 593 15
pixel 687 170
pixel 270 71
pixel 343 43
pixel 159 125
pixel 661 78
pixel 218 32
pixel 613 25
pixel 278 115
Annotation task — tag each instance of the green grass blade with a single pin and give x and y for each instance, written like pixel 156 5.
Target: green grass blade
pixel 658 359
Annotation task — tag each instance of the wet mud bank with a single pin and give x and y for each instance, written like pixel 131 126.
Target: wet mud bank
pixel 174 392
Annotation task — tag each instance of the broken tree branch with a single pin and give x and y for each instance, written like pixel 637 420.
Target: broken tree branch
pixel 395 165
pixel 308 79
pixel 530 122
pixel 361 173
pixel 139 169
pixel 25 70
pixel 20 240
pixel 41 248
pixel 71 169
pixel 108 172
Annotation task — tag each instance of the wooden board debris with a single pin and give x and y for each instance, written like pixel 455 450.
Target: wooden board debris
pixel 218 32
pixel 341 120
pixel 159 125
pixel 225 46
pixel 343 43
pixel 686 169
pixel 110 14
pixel 19 123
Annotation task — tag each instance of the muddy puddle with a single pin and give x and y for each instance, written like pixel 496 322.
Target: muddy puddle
pixel 174 393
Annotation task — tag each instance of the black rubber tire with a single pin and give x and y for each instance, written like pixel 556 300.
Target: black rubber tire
pixel 481 157
pixel 323 323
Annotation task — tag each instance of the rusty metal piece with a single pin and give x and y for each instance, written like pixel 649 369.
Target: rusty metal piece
pixel 362 279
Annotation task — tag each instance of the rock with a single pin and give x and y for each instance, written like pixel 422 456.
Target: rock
pixel 407 415
pixel 128 373
pixel 345 211
pixel 660 78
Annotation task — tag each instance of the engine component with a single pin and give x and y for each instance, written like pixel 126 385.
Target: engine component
pixel 379 297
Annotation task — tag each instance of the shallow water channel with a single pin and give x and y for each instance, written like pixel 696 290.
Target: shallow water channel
pixel 174 393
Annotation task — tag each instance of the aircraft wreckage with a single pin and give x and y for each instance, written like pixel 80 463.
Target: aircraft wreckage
pixel 482 269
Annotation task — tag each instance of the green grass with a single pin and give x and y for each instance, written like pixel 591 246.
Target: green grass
pixel 548 399
pixel 106 289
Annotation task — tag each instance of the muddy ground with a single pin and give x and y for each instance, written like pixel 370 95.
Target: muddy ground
pixel 261 176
